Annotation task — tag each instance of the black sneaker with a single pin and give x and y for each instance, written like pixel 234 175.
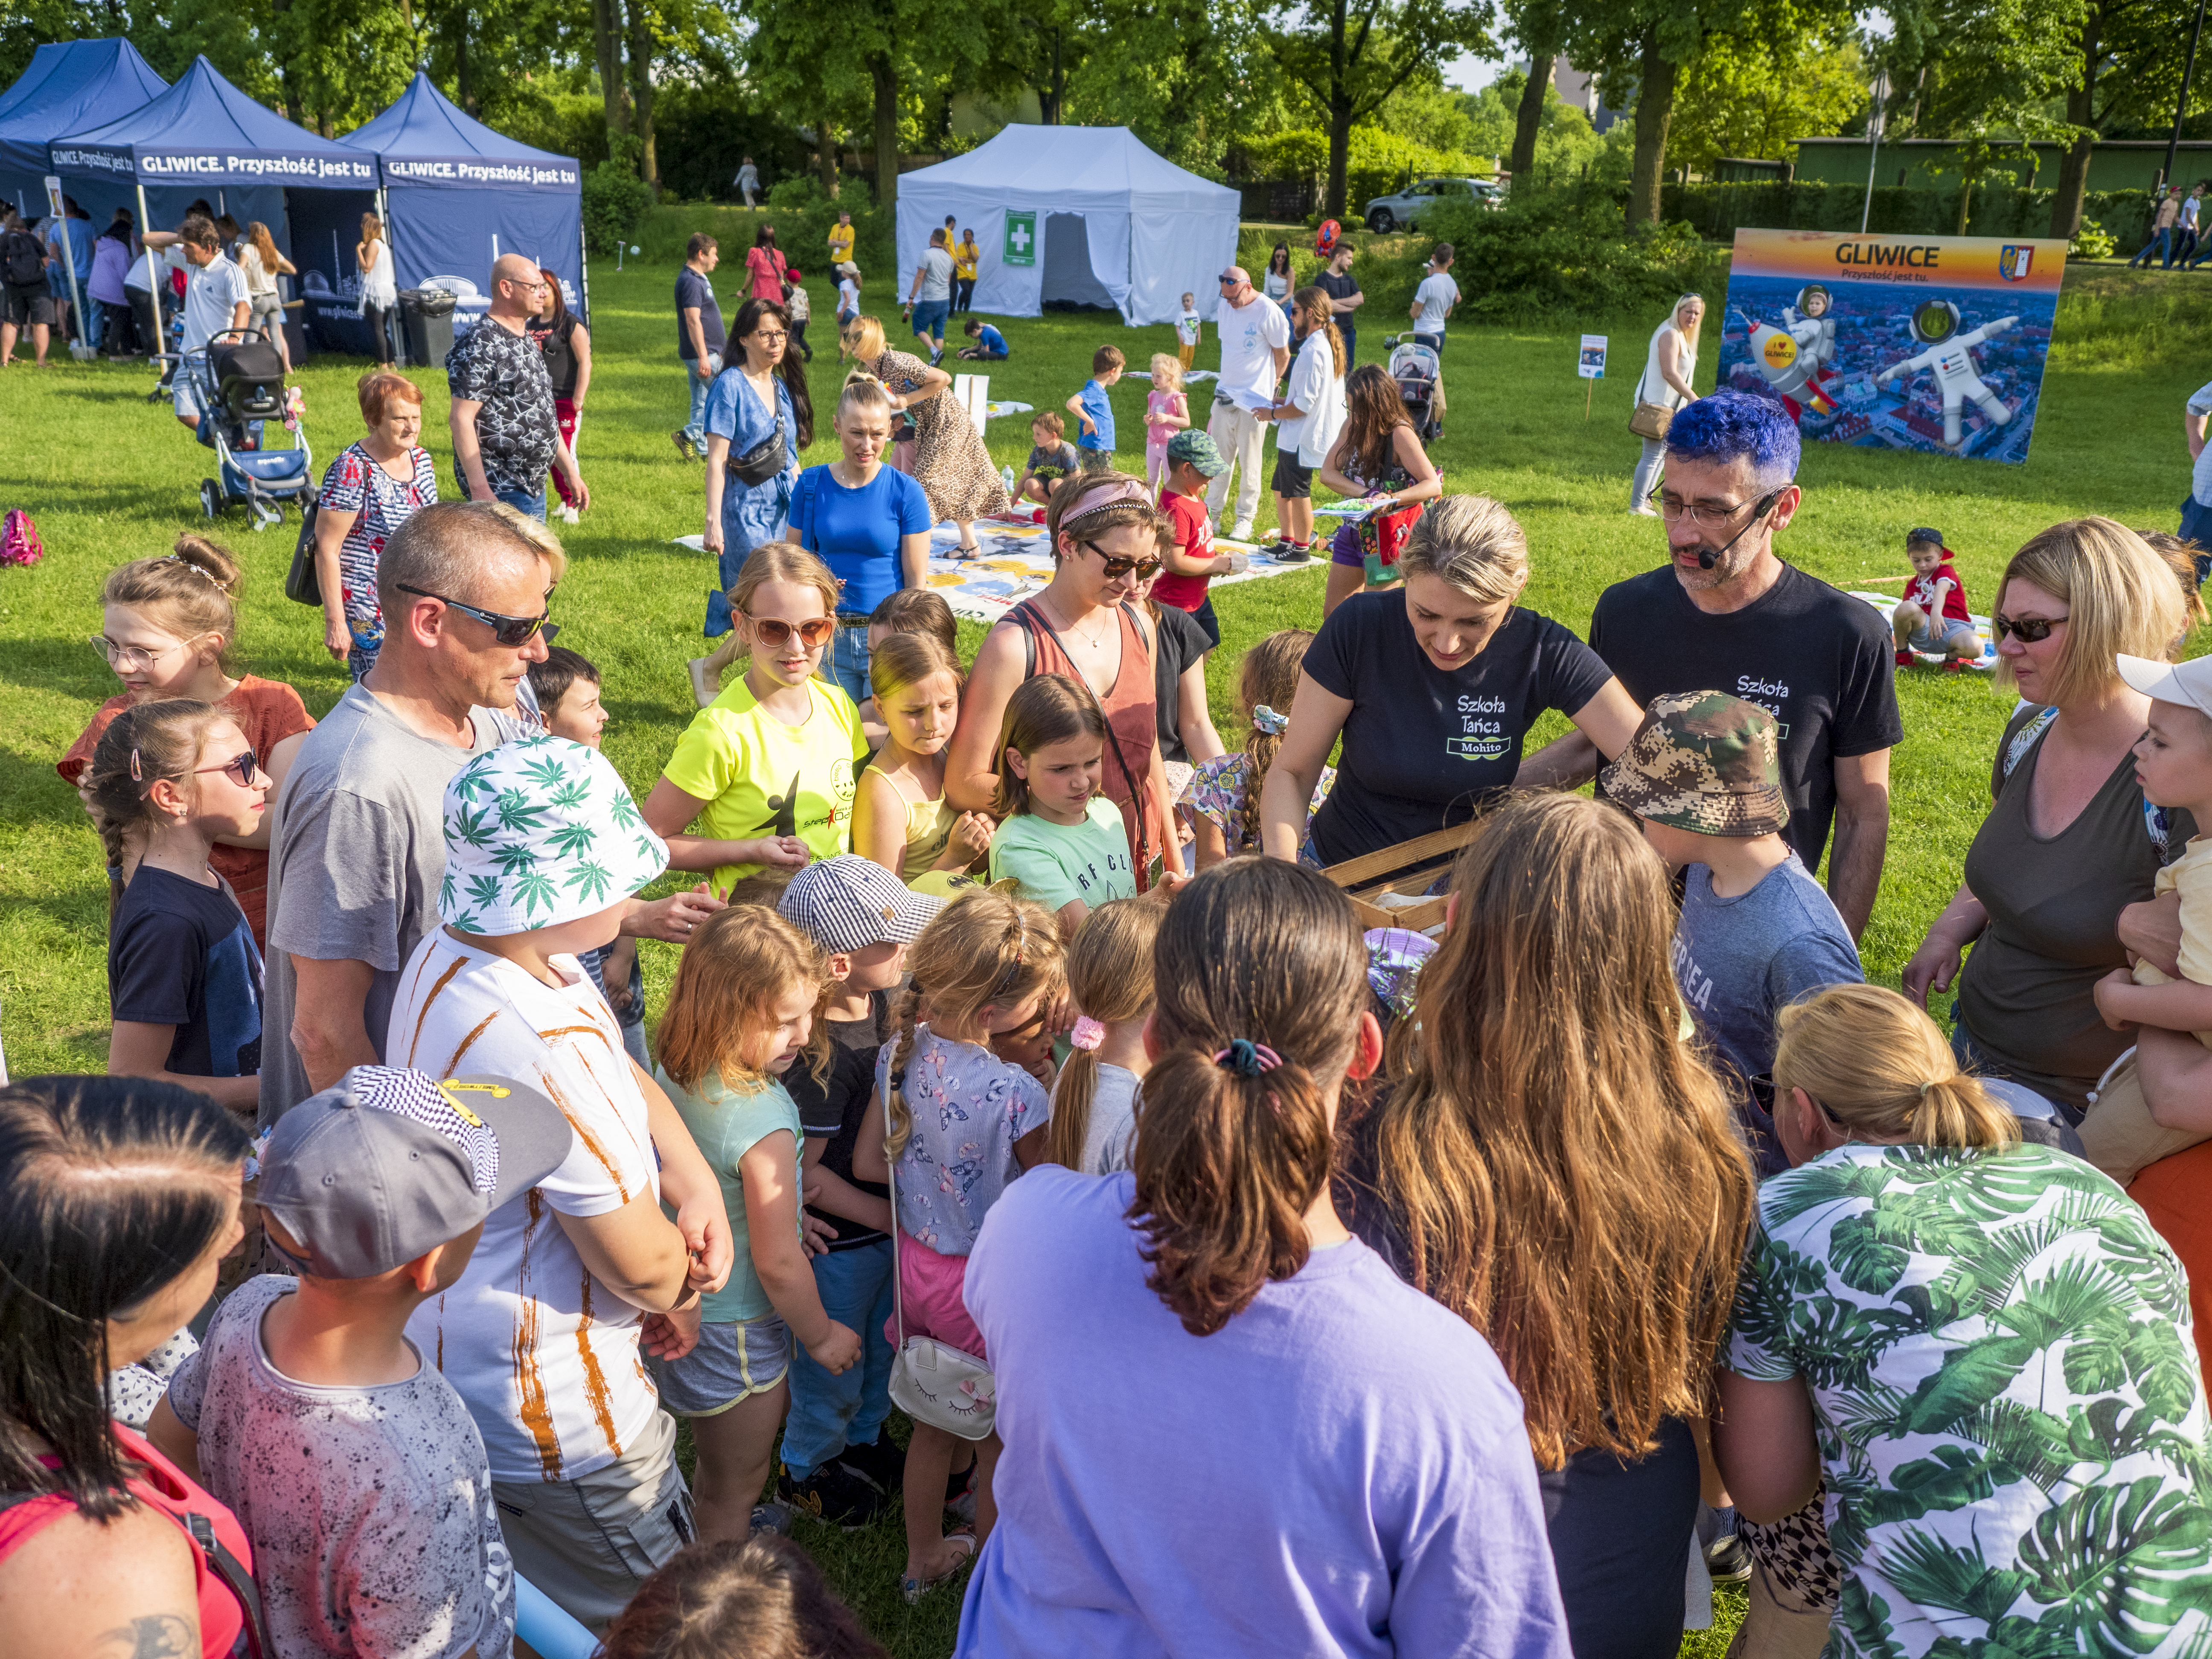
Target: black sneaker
pixel 1291 552
pixel 833 1493
pixel 881 1463
pixel 1727 1560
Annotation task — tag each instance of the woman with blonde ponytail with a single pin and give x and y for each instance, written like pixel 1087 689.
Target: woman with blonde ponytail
pixel 1366 1484
pixel 1982 1346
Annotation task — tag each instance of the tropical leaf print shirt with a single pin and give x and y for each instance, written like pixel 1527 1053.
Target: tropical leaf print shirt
pixel 2006 1399
pixel 545 1355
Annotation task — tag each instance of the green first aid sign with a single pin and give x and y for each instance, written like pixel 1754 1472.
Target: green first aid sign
pixel 1021 240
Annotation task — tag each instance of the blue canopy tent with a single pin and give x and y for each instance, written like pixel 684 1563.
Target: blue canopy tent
pixel 70 85
pixel 460 195
pixel 205 138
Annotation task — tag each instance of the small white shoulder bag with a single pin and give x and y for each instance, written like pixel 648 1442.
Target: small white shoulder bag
pixel 932 1381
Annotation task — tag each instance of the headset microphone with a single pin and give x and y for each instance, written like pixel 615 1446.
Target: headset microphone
pixel 1707 558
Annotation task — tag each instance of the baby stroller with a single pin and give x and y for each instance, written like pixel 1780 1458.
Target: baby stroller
pixel 1419 376
pixel 238 383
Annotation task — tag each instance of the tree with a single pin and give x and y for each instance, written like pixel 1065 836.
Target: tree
pixel 1756 94
pixel 1539 26
pixel 1347 57
pixel 2124 74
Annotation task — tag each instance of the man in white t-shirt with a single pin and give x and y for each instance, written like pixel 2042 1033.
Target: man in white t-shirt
pixel 216 299
pixel 1432 303
pixel 541 1334
pixel 1255 349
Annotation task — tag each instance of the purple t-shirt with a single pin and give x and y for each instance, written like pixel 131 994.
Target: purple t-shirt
pixel 1370 1489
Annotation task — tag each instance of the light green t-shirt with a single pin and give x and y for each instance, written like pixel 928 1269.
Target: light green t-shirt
pixel 1057 863
pixel 760 777
pixel 726 1124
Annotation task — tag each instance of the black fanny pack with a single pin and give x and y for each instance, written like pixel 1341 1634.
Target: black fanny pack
pixel 762 461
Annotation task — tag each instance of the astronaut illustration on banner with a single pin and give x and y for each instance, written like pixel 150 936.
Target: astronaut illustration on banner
pixel 1931 344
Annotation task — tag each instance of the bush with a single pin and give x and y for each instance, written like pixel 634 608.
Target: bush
pixel 1561 256
pixel 2092 241
pixel 1378 163
pixel 2000 208
pixel 615 199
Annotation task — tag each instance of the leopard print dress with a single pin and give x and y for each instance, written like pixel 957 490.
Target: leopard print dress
pixel 950 464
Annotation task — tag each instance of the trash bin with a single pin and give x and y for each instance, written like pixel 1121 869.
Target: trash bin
pixel 426 325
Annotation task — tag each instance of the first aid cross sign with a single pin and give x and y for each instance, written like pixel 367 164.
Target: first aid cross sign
pixel 1021 240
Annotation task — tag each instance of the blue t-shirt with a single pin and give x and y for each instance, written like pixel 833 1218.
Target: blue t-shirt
pixel 1100 409
pixel 694 290
pixel 180 954
pixel 991 340
pixel 857 531
pixel 1740 960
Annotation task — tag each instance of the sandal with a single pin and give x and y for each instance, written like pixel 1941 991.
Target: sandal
pixel 704 689
pixel 964 1541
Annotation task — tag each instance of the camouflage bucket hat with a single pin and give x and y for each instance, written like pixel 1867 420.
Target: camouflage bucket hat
pixel 541 831
pixel 1704 761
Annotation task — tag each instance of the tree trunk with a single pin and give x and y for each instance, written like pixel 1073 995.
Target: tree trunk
pixel 825 153
pixel 467 99
pixel 884 79
pixel 641 92
pixel 606 52
pixel 1339 115
pixel 2081 113
pixel 1053 95
pixel 1965 203
pixel 1529 120
pixel 1655 113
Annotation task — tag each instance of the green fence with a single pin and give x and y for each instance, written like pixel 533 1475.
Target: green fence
pixel 2000 208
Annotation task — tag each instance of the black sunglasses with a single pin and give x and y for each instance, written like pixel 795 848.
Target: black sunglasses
pixel 507 630
pixel 242 767
pixel 2032 630
pixel 1116 567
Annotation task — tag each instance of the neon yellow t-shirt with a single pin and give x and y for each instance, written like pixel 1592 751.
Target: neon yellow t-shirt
pixel 840 244
pixel 760 777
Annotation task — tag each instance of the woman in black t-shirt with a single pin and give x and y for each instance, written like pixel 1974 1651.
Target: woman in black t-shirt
pixel 567 344
pixel 1433 686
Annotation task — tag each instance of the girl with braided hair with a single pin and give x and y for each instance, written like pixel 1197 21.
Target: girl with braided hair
pixel 958 1126
pixel 184 975
pixel 169 628
pixel 1223 795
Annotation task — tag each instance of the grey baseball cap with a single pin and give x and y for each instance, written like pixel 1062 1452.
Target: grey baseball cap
pixel 386 1164
pixel 848 903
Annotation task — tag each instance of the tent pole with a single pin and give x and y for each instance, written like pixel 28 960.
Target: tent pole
pixel 584 266
pixel 153 277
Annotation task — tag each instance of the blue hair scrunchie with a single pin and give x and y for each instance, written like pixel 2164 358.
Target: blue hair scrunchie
pixel 1246 1059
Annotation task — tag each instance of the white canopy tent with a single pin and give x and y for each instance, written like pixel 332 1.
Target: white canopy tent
pixel 1082 214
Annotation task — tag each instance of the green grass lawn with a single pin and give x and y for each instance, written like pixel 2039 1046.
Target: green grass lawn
pixel 109 478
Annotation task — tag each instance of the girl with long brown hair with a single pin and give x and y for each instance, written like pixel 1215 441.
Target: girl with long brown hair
pixel 1224 792
pixel 1555 1164
pixel 1059 836
pixel 1307 419
pixel 1377 453
pixel 901 818
pixel 1362 1460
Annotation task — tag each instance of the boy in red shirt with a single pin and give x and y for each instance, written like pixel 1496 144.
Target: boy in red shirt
pixel 1192 458
pixel 1932 617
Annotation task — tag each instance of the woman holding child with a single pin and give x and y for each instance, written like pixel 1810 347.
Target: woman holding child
pixel 2068 842
pixel 1088 625
pixel 1433 687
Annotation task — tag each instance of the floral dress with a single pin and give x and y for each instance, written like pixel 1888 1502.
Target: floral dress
pixel 950 464
pixel 1216 793
pixel 357 483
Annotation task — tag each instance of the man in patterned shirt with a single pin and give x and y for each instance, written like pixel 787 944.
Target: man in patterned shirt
pixel 506 438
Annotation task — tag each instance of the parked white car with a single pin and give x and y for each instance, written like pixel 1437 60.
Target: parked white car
pixel 1389 213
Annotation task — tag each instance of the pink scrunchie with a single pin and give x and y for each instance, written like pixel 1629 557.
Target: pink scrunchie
pixel 1088 1033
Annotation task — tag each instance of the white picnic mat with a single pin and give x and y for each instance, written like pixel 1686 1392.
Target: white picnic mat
pixel 1015 564
pixel 1984 664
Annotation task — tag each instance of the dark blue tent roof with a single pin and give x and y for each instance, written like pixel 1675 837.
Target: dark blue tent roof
pixel 427 140
pixel 205 131
pixel 69 87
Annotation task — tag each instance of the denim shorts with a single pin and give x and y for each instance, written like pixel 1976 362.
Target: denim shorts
pixel 734 1361
pixel 1924 637
pixel 929 316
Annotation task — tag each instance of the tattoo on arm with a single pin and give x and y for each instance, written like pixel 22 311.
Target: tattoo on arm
pixel 154 1636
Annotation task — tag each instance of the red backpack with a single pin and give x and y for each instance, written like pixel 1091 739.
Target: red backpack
pixel 19 539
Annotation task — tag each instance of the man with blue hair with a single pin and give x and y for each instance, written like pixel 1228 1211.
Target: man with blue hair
pixel 1725 614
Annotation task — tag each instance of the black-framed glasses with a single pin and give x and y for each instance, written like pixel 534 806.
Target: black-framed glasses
pixel 1709 518
pixel 506 631
pixel 242 767
pixel 1116 567
pixel 2032 630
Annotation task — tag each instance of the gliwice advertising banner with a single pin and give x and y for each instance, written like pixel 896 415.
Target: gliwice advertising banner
pixel 1928 343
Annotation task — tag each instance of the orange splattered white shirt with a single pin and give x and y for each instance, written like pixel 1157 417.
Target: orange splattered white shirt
pixel 545 1355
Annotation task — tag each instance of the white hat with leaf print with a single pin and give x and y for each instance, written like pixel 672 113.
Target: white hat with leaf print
pixel 538 832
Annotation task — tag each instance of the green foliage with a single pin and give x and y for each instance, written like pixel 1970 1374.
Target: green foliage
pixel 2000 208
pixel 1380 162
pixel 614 199
pixel 2092 241
pixel 1756 94
pixel 1564 255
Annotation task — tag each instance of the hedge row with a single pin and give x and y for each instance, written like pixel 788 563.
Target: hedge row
pixel 1716 211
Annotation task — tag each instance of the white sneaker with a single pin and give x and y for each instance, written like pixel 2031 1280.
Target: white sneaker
pixel 569 515
pixel 1241 533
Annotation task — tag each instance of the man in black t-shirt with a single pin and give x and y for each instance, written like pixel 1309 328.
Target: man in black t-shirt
pixel 1725 614
pixel 1343 290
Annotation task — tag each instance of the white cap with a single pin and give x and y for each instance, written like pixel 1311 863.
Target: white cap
pixel 2189 684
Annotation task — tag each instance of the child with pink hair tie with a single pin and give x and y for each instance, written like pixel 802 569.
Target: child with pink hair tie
pixel 1109 979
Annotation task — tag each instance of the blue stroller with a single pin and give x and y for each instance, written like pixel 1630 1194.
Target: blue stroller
pixel 238 383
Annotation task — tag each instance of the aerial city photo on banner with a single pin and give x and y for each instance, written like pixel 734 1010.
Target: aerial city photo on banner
pixel 1927 343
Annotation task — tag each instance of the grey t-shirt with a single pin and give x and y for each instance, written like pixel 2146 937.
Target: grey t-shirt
pixel 369 1509
pixel 936 276
pixel 1740 960
pixel 354 861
